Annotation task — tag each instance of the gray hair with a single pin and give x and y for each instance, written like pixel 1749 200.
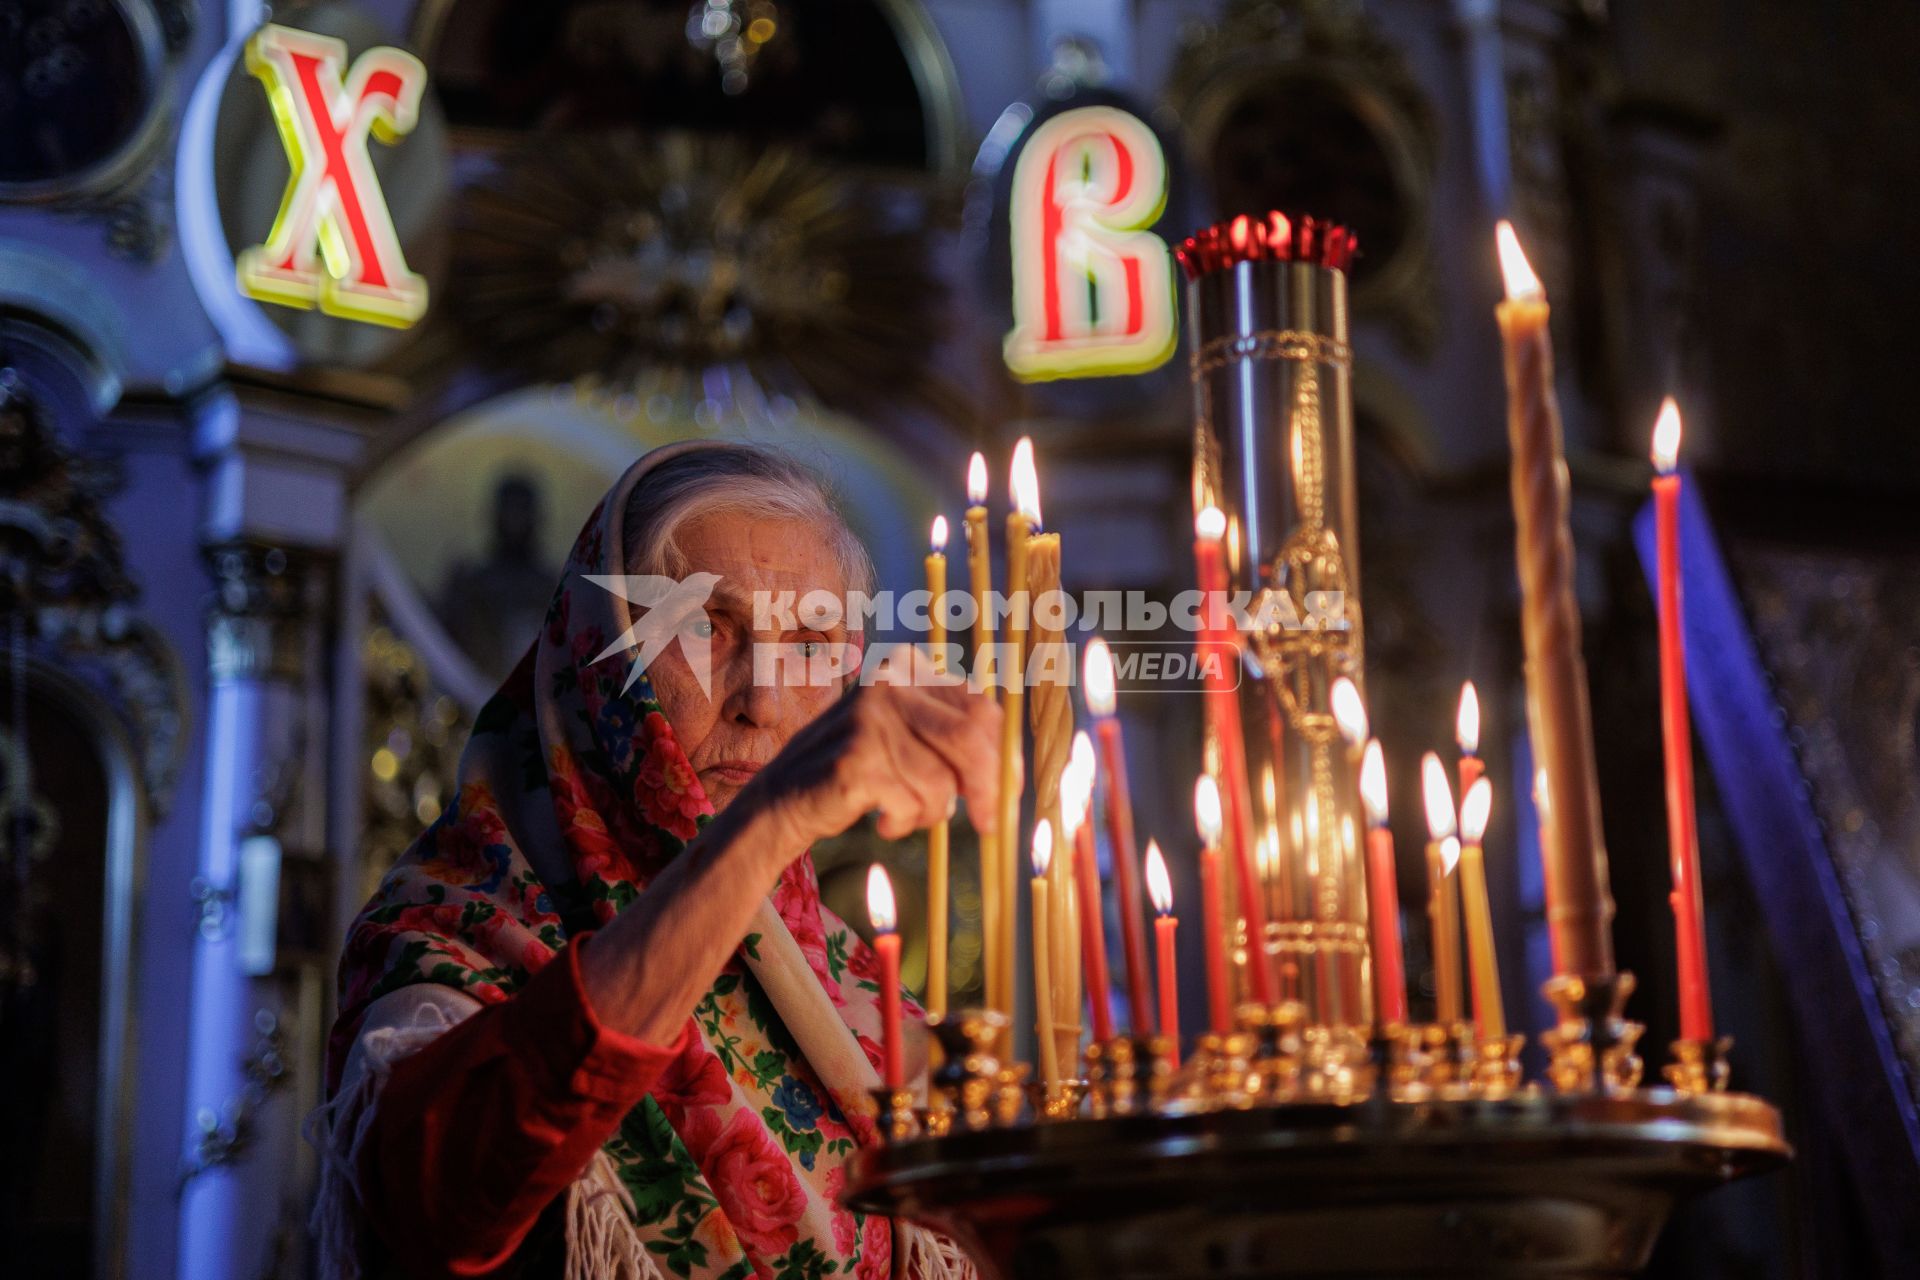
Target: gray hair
pixel 741 478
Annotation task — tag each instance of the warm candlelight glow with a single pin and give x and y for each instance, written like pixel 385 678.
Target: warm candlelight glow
pixel 1349 712
pixel 1076 785
pixel 1210 524
pixel 1521 282
pixel 1206 809
pixel 1042 848
pixel 1439 797
pixel 1024 482
pixel 977 479
pixel 1099 678
pixel 1449 854
pixel 1540 797
pixel 1666 437
pixel 1466 725
pixel 1159 886
pixel 1474 811
pixel 939 540
pixel 1373 783
pixel 880 907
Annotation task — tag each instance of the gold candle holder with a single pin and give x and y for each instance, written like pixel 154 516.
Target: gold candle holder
pixel 896 1114
pixel 1447 1056
pixel 1010 1094
pixel 966 1075
pixel 936 1119
pixel 1590 1050
pixel 1496 1066
pixel 1109 1063
pixel 1221 1069
pixel 1700 1066
pixel 1275 1070
pixel 1336 1064
pixel 1062 1102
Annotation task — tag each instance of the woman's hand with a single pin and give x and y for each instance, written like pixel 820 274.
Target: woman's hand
pixel 905 745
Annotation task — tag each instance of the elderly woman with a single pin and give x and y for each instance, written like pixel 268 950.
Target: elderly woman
pixel 596 1022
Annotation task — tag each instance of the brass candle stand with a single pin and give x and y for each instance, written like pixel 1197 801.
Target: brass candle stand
pixel 1276 1150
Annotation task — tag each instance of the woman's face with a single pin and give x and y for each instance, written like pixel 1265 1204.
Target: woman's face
pixel 729 735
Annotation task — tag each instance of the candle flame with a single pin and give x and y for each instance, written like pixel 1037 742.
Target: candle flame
pixel 1439 797
pixel 1159 886
pixel 880 908
pixel 1666 437
pixel 1206 809
pixel 1023 481
pixel 1373 783
pixel 1099 678
pixel 1466 725
pixel 1076 785
pixel 1042 848
pixel 1238 230
pixel 939 534
pixel 1349 712
pixel 1449 855
pixel 1540 798
pixel 1521 282
pixel 1210 524
pixel 977 479
pixel 1475 810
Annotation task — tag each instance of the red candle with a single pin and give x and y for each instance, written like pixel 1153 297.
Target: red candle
pixel 1093 939
pixel 1213 912
pixel 1223 712
pixel 1160 890
pixel 1466 732
pixel 1383 895
pixel 1113 761
pixel 1689 912
pixel 886 944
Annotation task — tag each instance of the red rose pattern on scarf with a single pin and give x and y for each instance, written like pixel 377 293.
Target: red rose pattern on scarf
pixel 734 1161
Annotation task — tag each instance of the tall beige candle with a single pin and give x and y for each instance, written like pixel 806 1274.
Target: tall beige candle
pixel 1580 915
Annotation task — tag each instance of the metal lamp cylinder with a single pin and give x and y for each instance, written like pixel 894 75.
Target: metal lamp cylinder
pixel 1273 449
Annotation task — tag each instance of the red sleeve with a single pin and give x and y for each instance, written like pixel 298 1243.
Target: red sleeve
pixel 474 1135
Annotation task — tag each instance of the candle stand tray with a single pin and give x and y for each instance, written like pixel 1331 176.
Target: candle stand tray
pixel 1539 1184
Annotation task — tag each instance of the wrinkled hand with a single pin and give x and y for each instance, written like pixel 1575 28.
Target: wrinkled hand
pixel 905 750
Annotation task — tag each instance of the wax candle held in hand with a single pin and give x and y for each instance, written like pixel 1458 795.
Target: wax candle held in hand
pixel 886 945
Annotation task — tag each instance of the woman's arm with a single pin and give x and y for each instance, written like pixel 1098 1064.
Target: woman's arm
pixel 474 1135
pixel 906 750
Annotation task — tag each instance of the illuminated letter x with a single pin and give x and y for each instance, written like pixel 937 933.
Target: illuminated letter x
pixel 333 201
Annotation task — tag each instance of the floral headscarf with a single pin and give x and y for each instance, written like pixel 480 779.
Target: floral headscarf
pixel 572 795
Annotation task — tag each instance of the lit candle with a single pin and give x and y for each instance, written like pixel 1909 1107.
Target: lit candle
pixel 1093 939
pixel 1113 758
pixel 1223 713
pixel 1213 910
pixel 1383 894
pixel 980 575
pixel 1466 733
pixel 1483 960
pixel 1160 891
pixel 1689 908
pixel 1580 911
pixel 1049 676
pixel 886 945
pixel 1021 521
pixel 1443 903
pixel 1042 947
pixel 1076 802
pixel 937 835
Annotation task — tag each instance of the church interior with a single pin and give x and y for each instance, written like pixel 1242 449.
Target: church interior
pixel 268 553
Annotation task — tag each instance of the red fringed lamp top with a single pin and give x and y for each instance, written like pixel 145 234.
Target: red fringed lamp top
pixel 1274 238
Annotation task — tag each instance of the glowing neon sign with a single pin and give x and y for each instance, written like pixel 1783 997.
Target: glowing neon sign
pixel 332 244
pixel 1092 287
